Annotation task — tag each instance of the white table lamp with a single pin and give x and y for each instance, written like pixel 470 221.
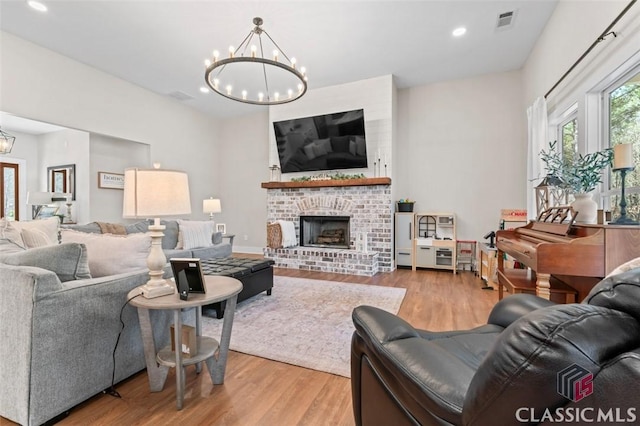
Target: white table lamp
pixel 154 193
pixel 211 206
pixel 37 200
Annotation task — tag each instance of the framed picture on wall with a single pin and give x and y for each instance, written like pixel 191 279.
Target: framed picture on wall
pixel 221 227
pixel 110 180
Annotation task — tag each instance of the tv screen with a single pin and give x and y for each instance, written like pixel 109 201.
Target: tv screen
pixel 322 142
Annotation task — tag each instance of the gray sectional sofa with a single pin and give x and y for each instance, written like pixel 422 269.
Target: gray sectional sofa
pixel 59 326
pixel 218 249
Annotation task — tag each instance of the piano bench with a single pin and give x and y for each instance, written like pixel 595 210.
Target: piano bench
pixel 520 281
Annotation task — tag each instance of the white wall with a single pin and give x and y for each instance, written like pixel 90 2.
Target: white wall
pixel 374 95
pixel 112 155
pixel 62 148
pixel 242 163
pixel 77 96
pixel 461 148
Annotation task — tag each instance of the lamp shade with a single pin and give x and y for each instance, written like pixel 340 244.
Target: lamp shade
pixel 623 156
pixel 36 198
pixel 155 192
pixel 212 205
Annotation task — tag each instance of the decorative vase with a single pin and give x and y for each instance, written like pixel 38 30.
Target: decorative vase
pixel 587 208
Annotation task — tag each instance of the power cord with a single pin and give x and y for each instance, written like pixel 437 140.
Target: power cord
pixel 112 390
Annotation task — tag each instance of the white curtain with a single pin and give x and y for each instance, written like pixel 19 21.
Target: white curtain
pixel 538 128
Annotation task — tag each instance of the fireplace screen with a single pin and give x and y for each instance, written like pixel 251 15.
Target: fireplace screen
pixel 324 231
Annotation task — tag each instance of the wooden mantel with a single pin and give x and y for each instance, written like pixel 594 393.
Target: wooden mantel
pixel 328 182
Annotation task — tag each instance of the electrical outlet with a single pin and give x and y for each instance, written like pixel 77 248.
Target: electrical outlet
pixel 246 237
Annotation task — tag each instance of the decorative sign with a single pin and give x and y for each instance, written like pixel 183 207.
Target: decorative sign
pixel 110 180
pixel 513 215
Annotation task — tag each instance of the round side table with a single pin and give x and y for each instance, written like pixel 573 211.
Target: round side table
pixel 218 289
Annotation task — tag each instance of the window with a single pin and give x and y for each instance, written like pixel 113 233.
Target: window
pixel 623 117
pixel 569 137
pixel 9 191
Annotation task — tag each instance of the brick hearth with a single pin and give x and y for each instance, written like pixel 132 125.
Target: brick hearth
pixel 368 204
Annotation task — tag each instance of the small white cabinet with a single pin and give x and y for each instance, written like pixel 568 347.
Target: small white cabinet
pixel 425 256
pixel 404 235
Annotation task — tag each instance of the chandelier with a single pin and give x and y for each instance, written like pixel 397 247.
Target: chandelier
pixel 248 76
pixel 6 142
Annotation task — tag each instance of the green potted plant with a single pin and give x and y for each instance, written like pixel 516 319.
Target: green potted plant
pixel 579 175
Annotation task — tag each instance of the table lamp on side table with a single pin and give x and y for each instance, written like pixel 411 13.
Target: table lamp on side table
pixel 211 206
pixel 154 193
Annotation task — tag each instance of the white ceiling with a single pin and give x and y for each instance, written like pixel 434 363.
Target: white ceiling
pixel 161 45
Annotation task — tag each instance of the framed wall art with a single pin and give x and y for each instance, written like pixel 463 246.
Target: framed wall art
pixel 110 180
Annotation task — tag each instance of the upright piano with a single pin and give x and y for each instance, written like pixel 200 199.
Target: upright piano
pixel 562 260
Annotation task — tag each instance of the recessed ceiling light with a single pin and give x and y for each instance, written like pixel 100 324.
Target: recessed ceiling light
pixel 204 89
pixel 40 7
pixel 459 31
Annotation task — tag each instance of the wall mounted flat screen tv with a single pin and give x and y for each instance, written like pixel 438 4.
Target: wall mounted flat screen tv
pixel 322 142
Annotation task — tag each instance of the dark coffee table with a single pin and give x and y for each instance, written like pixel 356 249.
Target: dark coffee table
pixel 256 276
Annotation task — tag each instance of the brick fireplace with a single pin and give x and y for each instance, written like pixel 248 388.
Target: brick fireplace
pixel 365 203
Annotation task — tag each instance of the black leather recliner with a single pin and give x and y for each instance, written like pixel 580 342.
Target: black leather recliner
pixel 534 362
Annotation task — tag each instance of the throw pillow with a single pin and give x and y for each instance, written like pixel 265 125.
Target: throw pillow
pixel 7 247
pixel 180 243
pixel 45 231
pixel 195 233
pixel 340 143
pixel 352 147
pixel 34 238
pixel 11 233
pixel 325 144
pixel 170 238
pixel 68 261
pixel 319 149
pixel 309 151
pixel 217 238
pixel 112 254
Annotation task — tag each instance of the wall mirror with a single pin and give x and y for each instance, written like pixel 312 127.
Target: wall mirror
pixel 62 179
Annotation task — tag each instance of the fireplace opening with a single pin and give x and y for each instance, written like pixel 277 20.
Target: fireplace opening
pixel 324 231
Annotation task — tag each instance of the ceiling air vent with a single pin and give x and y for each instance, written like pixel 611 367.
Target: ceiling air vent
pixel 181 96
pixel 505 20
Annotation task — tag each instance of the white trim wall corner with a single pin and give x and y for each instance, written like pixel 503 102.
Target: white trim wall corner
pixel 537 141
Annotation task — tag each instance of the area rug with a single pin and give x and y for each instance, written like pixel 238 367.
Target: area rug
pixel 304 322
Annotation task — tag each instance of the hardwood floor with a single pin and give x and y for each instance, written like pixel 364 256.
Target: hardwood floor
pixel 263 392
